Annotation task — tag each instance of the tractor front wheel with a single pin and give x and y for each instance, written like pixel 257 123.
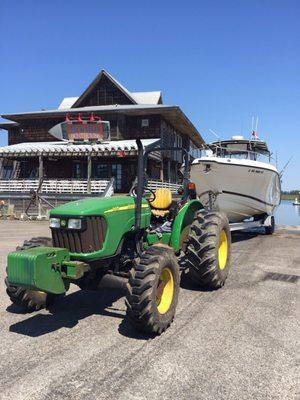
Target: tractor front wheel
pixel 209 249
pixel 153 289
pixel 30 300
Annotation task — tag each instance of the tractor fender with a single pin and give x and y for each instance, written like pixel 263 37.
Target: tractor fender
pixel 182 223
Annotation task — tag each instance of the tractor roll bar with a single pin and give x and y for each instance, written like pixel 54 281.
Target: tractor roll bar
pixel 142 180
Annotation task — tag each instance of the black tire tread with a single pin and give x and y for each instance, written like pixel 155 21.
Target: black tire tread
pixel 201 251
pixel 142 278
pixel 270 229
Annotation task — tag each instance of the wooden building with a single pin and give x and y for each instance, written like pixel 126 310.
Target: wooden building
pixel 33 153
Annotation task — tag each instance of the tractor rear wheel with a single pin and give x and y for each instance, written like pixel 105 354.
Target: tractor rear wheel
pixel 153 289
pixel 30 300
pixel 209 249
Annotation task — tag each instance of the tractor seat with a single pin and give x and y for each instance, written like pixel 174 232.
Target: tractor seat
pixel 162 202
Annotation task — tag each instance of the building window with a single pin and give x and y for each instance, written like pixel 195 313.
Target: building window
pixel 7 172
pixel 107 171
pixel 79 170
pixel 101 171
pixel 195 152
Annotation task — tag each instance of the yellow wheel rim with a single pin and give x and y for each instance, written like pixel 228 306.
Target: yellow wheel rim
pixel 223 250
pixel 164 291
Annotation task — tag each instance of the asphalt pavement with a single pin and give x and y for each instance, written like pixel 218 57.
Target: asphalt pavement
pixel 239 342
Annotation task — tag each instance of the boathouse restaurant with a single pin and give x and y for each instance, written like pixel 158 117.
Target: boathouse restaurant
pixel 47 150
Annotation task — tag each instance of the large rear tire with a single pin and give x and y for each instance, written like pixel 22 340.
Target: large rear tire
pixel 209 249
pixel 30 300
pixel 153 289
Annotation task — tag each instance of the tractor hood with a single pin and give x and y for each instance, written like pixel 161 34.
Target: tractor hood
pixel 96 206
pixel 110 218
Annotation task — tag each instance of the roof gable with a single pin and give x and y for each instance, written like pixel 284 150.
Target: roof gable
pixel 104 90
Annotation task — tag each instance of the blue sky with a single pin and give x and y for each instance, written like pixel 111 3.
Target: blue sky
pixel 221 61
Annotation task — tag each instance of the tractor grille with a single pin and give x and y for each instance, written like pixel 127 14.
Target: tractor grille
pixel 87 241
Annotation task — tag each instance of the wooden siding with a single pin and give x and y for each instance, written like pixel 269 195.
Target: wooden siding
pixel 32 131
pixel 105 93
pixel 133 127
pixel 121 127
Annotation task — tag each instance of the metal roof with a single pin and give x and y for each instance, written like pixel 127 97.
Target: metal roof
pixel 67 102
pixel 4 124
pixel 140 98
pixel 110 148
pixel 147 97
pixel 173 114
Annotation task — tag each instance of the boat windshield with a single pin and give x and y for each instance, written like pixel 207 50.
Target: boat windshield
pixel 248 155
pixel 249 150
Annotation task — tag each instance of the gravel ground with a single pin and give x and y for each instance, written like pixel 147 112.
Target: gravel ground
pixel 235 343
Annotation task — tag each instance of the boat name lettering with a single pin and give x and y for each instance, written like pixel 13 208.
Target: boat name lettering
pixel 255 171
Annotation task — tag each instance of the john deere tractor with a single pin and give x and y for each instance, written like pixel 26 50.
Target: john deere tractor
pixel 147 237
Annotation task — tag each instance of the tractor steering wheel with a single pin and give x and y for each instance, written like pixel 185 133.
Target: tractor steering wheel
pixel 134 194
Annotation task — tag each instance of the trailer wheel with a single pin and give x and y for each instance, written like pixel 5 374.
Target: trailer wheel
pixel 209 249
pixel 271 228
pixel 30 300
pixel 153 289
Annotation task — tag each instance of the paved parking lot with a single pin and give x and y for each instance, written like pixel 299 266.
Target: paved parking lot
pixel 235 343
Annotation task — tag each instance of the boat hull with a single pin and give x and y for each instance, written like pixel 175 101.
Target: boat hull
pixel 239 188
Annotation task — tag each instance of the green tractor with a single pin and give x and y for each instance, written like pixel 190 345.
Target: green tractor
pixel 147 237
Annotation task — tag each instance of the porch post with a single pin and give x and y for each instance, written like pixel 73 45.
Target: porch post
pixel 89 173
pixel 162 169
pixel 14 173
pixel 169 170
pixel 41 169
pixel 41 174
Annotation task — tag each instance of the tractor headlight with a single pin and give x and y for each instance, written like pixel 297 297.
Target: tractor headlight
pixel 75 223
pixel 54 223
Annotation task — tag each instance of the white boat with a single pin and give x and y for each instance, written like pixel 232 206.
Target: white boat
pixel 296 202
pixel 234 177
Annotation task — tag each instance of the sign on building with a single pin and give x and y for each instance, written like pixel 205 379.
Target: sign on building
pixel 80 129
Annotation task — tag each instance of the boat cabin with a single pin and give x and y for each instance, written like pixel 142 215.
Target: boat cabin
pixel 238 147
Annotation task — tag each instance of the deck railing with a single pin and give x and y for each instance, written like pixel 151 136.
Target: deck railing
pixel 158 184
pixel 58 186
pixel 53 186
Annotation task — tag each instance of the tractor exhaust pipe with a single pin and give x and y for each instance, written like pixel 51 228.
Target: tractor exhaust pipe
pixel 139 195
